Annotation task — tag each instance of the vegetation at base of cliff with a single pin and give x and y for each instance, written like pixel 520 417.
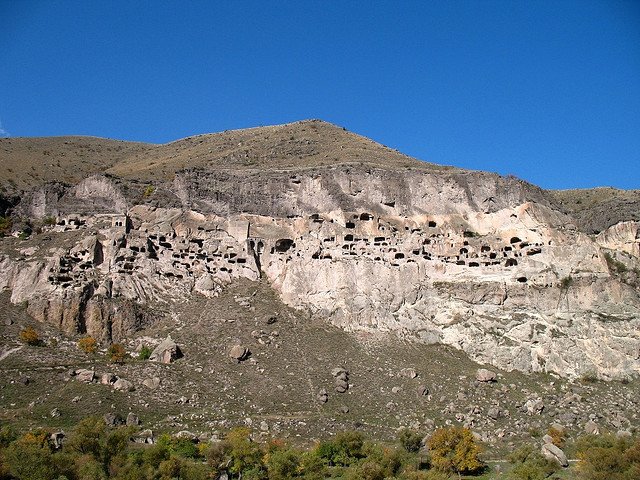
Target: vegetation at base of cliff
pixel 93 450
pixel 5 226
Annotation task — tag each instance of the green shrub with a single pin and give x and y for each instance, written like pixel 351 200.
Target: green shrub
pixel 145 353
pixel 614 264
pixel 5 226
pixel 148 191
pixel 529 464
pixel 282 463
pixel 246 456
pixel 606 457
pixel 344 449
pixel 410 440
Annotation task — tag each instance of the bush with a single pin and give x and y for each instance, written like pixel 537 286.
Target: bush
pixel 343 450
pixel 410 440
pixel 30 336
pixel 88 345
pixel 454 450
pixel 614 264
pixel 529 464
pixel 145 353
pixel 606 457
pixel 5 226
pixel 148 191
pixel 116 353
pixel 558 437
pixel 282 463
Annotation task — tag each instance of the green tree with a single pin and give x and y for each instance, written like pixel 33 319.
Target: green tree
pixel 246 456
pixel 606 457
pixel 30 457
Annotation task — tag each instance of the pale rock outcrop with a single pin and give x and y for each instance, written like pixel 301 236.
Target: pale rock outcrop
pixel 623 236
pixel 472 260
pixel 484 375
pixel 554 453
pixel 166 352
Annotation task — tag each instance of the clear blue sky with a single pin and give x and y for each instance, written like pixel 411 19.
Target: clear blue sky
pixel 548 91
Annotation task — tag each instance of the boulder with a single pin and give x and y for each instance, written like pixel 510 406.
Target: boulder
pixel 239 353
pixel 152 383
pixel 337 371
pixel 57 439
pixel 484 375
pixel 132 419
pixel 408 373
pixel 85 375
pixel 187 435
pixel 108 378
pixel 552 452
pixel 167 352
pixel 145 436
pixel 123 385
pixel 112 419
pixel 591 428
pixel 533 406
pixel 494 413
pixel 323 396
pixel 341 388
pixel 422 391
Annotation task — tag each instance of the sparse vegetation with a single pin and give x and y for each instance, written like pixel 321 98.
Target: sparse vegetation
pixel 566 283
pixel 30 336
pixel 88 344
pixel 148 191
pixel 5 226
pixel 615 265
pixel 116 353
pixel 589 377
pixel 145 353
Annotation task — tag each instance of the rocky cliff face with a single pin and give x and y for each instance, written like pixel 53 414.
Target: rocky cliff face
pixel 469 259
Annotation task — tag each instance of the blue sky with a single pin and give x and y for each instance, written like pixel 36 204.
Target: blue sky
pixel 548 91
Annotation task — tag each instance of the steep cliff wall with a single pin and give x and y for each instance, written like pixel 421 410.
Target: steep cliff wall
pixel 484 263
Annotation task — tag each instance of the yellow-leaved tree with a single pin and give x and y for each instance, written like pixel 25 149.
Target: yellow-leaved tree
pixel 454 450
